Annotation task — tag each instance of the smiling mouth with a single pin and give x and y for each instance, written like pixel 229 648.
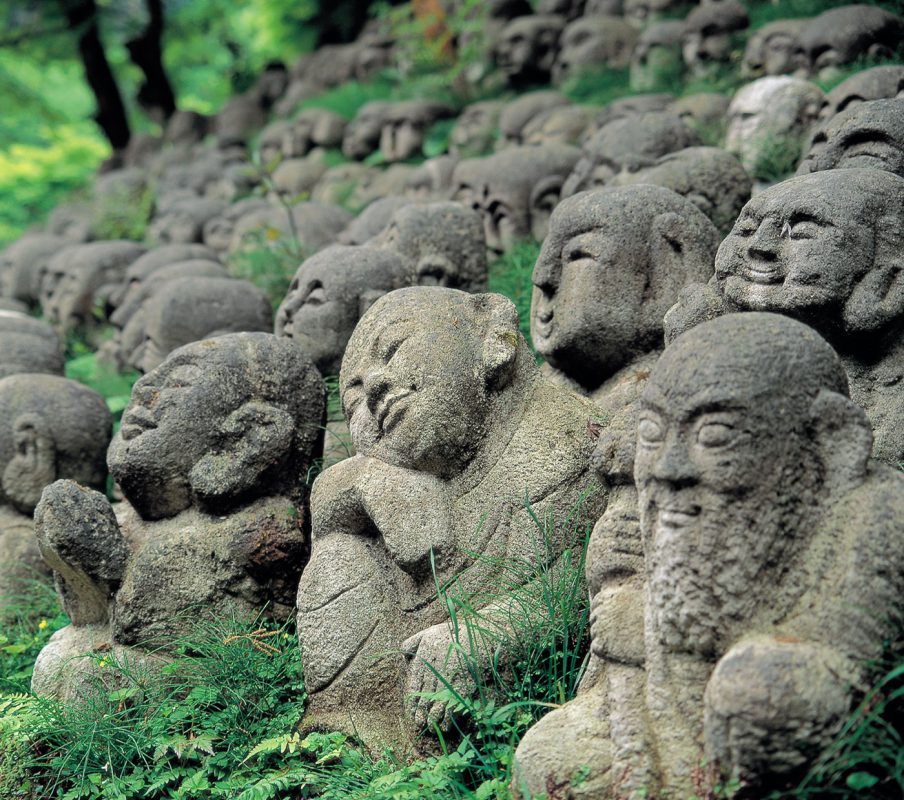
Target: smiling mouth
pixel 763 275
pixel 390 412
pixel 677 515
pixel 135 422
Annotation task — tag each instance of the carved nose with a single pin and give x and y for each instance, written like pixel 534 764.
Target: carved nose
pixel 765 241
pixel 673 464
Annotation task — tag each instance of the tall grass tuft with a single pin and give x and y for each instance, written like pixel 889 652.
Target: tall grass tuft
pixel 510 274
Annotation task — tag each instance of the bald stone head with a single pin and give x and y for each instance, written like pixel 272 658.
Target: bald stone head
pixel 878 83
pixel 50 428
pixel 824 248
pixel 190 309
pixel 612 264
pixel 362 135
pixel 28 345
pixel 328 295
pixel 593 42
pixel 772 49
pixel 514 190
pixel 711 35
pixel 865 135
pixel 475 129
pixel 527 47
pixel 519 112
pixel 734 461
pixel 628 144
pixel 23 264
pixel 657 59
pixel 219 423
pixel 425 374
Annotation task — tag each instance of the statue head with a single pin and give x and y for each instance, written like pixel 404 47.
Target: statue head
pixel 768 121
pixel 593 42
pixel 405 124
pixel 824 248
pixel 313 127
pixel 772 49
pixel 611 266
pixel 442 244
pixel 425 373
pixel 710 35
pixel 744 434
pixel 628 144
pixel 219 423
pixel 475 129
pixel 514 190
pixel 878 83
pixel 562 125
pixel 526 48
pixel 28 345
pixel 328 295
pixel 865 135
pixel 23 264
pixel 362 134
pixel 194 308
pixel 50 428
pixel 519 112
pixel 657 58
pixel 646 12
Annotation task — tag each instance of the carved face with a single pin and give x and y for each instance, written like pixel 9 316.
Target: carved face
pixel 725 471
pixel 593 42
pixel 526 48
pixel 475 130
pixel 657 57
pixel 772 50
pixel 797 249
pixel 709 37
pixel 412 388
pixel 148 459
pixel 362 136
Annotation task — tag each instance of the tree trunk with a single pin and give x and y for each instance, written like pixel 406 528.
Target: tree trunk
pixel 155 95
pixel 81 17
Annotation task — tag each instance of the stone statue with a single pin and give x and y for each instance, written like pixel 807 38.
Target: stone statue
pixel 50 428
pixel 432 180
pixel 405 124
pixel 771 546
pixel 878 83
pixel 183 222
pixel 647 12
pixel 219 230
pixel 865 135
pixel 455 431
pixel 768 122
pixel 773 49
pixel 329 294
pixel 211 458
pixel 710 35
pixel 28 345
pixel 527 47
pixel 23 264
pixel 475 129
pixel 627 144
pixel 515 190
pixel 612 264
pixel 313 127
pixel 704 112
pixel 314 224
pixel 562 125
pixel 519 112
pixel 840 36
pixel 593 42
pixel 823 248
pixel 657 60
pixel 441 244
pixel 190 309
pixel 372 220
pixel 362 134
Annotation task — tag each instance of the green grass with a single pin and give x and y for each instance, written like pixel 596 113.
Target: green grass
pixel 511 274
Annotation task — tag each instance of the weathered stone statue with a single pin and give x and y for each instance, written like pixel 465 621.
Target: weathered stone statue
pixel 626 145
pixel 711 34
pixel 612 264
pixel 519 112
pixel 527 47
pixel 823 248
pixel 657 60
pixel 296 177
pixel 432 180
pixel 454 430
pixel 515 190
pixel 710 178
pixel 475 129
pixel 646 12
pixel 441 244
pixel 562 125
pixel 362 134
pixel 768 122
pixel 773 49
pixel 183 221
pixel 211 458
pixel 865 135
pixel 770 549
pixel 705 112
pixel 218 231
pixel 630 106
pixel 314 224
pixel 841 35
pixel 372 220
pixel 593 42
pixel 313 127
pixel 50 428
pixel 569 9
pixel 28 345
pixel 329 294
pixel 80 277
pixel 189 309
pixel 23 264
pixel 404 125
pixel 878 83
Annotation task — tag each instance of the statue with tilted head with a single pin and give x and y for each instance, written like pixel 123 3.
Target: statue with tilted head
pixel 211 458
pixel 772 560
pixel 455 432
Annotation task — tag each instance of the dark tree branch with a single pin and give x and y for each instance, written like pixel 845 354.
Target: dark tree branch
pixel 81 16
pixel 155 95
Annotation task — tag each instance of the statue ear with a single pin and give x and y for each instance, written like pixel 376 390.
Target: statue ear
pixel 878 298
pixel 33 465
pixel 543 199
pixel 367 299
pixel 678 254
pixel 844 437
pixel 258 436
pixel 500 343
